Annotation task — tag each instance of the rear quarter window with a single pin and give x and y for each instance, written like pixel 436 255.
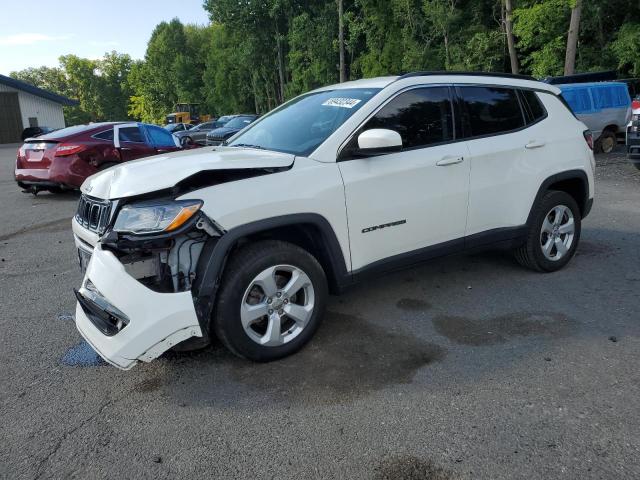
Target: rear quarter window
pixel 106 135
pixel 533 106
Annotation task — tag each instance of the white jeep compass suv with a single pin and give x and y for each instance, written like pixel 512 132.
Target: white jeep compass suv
pixel 245 241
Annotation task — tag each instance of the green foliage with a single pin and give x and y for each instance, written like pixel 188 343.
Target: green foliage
pixel 626 47
pixel 100 86
pixel 541 32
pixel 255 54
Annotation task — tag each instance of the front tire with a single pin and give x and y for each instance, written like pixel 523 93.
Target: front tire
pixel 553 235
pixel 271 301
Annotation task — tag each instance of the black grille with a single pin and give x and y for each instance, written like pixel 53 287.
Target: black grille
pixel 93 214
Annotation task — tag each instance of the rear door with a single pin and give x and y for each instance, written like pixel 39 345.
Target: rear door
pixel 131 142
pixel 505 157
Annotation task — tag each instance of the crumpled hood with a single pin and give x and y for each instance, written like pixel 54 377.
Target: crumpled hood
pixel 164 171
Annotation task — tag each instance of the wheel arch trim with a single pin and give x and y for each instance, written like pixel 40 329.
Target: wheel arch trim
pixel 215 253
pixel 585 203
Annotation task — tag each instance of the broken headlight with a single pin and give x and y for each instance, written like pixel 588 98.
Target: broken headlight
pixel 155 217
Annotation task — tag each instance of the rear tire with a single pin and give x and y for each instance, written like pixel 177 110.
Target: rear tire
pixel 607 142
pixel 272 298
pixel 553 235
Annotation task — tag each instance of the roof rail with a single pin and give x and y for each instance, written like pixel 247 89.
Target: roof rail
pixel 472 74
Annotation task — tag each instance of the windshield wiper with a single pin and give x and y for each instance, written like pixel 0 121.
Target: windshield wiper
pixel 248 145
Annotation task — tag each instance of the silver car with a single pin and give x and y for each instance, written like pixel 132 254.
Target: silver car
pixel 196 135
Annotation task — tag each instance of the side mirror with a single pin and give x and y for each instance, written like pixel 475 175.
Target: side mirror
pixel 378 141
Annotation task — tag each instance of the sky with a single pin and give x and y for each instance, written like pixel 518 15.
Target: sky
pixel 36 32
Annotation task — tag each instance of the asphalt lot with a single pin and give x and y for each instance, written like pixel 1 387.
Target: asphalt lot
pixel 469 367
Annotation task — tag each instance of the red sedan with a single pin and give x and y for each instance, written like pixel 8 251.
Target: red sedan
pixel 63 159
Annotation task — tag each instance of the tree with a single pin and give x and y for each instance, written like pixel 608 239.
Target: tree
pixel 442 14
pixel 626 47
pixel 540 28
pixel 113 97
pixel 572 38
pixel 343 67
pixel 84 85
pixel 508 26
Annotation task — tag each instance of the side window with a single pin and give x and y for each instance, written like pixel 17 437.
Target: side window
pixel 106 135
pixel 422 117
pixel 491 110
pixel 160 137
pixel 131 134
pixel 533 105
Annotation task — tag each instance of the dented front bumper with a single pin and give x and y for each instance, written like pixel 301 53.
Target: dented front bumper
pixel 125 321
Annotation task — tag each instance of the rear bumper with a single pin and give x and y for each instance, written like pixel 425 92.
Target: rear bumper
pixel 66 172
pixel 42 178
pixel 123 320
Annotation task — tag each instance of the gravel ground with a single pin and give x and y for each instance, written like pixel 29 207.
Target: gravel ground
pixel 466 368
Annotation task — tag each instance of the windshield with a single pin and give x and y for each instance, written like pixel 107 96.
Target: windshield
pixel 172 126
pixel 304 123
pixel 239 122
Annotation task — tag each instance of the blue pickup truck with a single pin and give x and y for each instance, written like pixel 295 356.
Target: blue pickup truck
pixel 604 107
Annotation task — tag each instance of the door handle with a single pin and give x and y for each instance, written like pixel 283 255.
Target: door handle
pixel 534 144
pixel 449 161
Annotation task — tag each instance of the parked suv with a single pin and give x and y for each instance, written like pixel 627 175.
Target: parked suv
pixel 244 242
pixel 64 158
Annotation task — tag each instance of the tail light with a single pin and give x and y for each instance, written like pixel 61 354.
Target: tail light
pixel 635 104
pixel 588 137
pixel 65 149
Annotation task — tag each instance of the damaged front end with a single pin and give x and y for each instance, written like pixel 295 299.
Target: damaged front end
pixel 135 301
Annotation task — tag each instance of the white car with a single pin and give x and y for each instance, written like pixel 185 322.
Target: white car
pixel 245 241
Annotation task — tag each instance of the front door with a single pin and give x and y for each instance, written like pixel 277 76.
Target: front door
pixel 405 201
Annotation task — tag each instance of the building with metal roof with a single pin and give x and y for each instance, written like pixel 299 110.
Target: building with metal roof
pixel 23 105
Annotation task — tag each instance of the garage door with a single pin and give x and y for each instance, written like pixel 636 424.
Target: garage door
pixel 10 118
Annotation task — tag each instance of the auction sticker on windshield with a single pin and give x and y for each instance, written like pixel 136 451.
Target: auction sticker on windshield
pixel 342 102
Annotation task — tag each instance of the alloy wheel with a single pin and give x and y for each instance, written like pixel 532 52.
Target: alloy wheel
pixel 557 233
pixel 277 305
